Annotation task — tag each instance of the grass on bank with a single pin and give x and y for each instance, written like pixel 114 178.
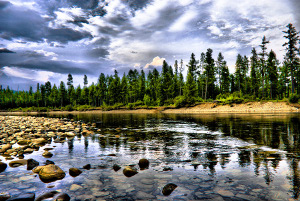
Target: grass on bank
pixel 178 102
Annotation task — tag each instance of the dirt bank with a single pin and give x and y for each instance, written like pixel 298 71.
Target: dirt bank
pixel 204 108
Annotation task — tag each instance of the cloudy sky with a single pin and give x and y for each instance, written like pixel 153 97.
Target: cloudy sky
pixel 44 40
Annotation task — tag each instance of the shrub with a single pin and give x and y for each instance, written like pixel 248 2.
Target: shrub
pixel 147 100
pixel 294 98
pixel 180 101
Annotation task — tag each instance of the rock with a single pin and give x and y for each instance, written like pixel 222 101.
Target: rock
pixel 5 147
pixel 39 141
pixel 144 196
pixel 87 167
pixel 49 162
pixel 47 195
pixel 111 155
pixel 225 193
pixel 168 189
pixel 62 197
pixel 23 197
pixel 37 169
pixel 28 151
pixel 31 163
pixel 71 134
pixel 116 167
pixel 75 187
pixel 143 163
pixel 49 173
pixel 18 163
pixel 74 172
pixel 129 171
pixel 167 168
pixel 23 142
pixel 4 196
pixel 3 166
pixel 47 154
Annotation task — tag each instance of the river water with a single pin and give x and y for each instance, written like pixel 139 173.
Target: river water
pixel 208 157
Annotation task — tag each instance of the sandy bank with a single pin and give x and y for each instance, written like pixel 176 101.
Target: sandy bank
pixel 204 108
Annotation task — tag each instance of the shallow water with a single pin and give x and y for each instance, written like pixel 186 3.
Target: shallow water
pixel 211 157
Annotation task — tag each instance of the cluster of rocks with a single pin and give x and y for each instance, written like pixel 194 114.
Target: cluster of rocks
pixel 30 133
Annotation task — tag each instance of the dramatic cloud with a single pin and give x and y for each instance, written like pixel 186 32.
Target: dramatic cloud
pixel 50 39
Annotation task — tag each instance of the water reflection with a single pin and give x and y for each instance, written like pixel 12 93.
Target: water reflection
pixel 258 145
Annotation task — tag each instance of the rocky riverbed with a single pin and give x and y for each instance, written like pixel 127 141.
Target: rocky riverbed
pixel 62 159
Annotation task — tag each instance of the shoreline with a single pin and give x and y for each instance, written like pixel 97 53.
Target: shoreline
pixel 203 108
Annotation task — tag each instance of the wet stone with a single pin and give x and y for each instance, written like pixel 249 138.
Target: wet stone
pixel 144 196
pixel 75 187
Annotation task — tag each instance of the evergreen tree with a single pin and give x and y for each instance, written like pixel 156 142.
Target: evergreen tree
pixel 291 53
pixel 62 93
pixel 192 66
pixel 272 64
pixel 190 88
pixel 209 71
pixel 224 79
pixel 124 90
pixel 85 81
pixel 263 54
pixel 142 85
pixel 238 72
pixel 254 75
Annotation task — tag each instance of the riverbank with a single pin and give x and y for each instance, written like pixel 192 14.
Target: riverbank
pixel 202 108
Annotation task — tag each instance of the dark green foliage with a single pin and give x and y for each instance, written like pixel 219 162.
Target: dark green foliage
pixel 294 98
pixel 206 79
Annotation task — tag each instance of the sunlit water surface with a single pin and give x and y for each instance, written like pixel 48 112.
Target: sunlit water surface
pixel 209 157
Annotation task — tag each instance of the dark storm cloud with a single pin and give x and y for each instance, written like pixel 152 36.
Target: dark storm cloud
pixel 3 4
pixel 98 52
pixel 4 50
pixel 17 22
pixel 137 4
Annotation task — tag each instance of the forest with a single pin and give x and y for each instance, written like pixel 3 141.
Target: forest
pixel 258 77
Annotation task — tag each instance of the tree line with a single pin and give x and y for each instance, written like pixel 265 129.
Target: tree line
pixel 260 76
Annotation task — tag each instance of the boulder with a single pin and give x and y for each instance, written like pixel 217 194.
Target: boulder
pixel 39 141
pixel 168 189
pixel 18 163
pixel 129 171
pixel 31 163
pixel 49 162
pixel 37 169
pixel 143 163
pixel 50 173
pixel 74 172
pixel 3 166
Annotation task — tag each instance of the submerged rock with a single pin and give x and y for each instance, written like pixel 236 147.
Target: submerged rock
pixel 144 163
pixel 87 167
pixel 116 167
pixel 23 197
pixel 62 197
pixel 3 166
pixel 47 154
pixel 49 162
pixel 74 172
pixel 18 163
pixel 50 173
pixel 129 171
pixel 168 189
pixel 31 163
pixel 47 195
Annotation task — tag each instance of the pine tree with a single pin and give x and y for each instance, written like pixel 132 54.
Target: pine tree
pixel 192 66
pixel 291 53
pixel 224 79
pixel 209 71
pixel 238 71
pixel 272 64
pixel 254 75
pixel 263 54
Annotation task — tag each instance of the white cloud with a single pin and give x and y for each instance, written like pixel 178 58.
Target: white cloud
pixel 157 61
pixel 45 53
pixel 215 30
pixel 34 75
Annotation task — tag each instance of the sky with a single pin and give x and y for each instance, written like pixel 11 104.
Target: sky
pixel 45 40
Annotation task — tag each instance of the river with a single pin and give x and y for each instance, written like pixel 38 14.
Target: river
pixel 208 157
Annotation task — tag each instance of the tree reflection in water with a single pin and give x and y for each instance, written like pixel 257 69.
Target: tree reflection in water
pixel 174 138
